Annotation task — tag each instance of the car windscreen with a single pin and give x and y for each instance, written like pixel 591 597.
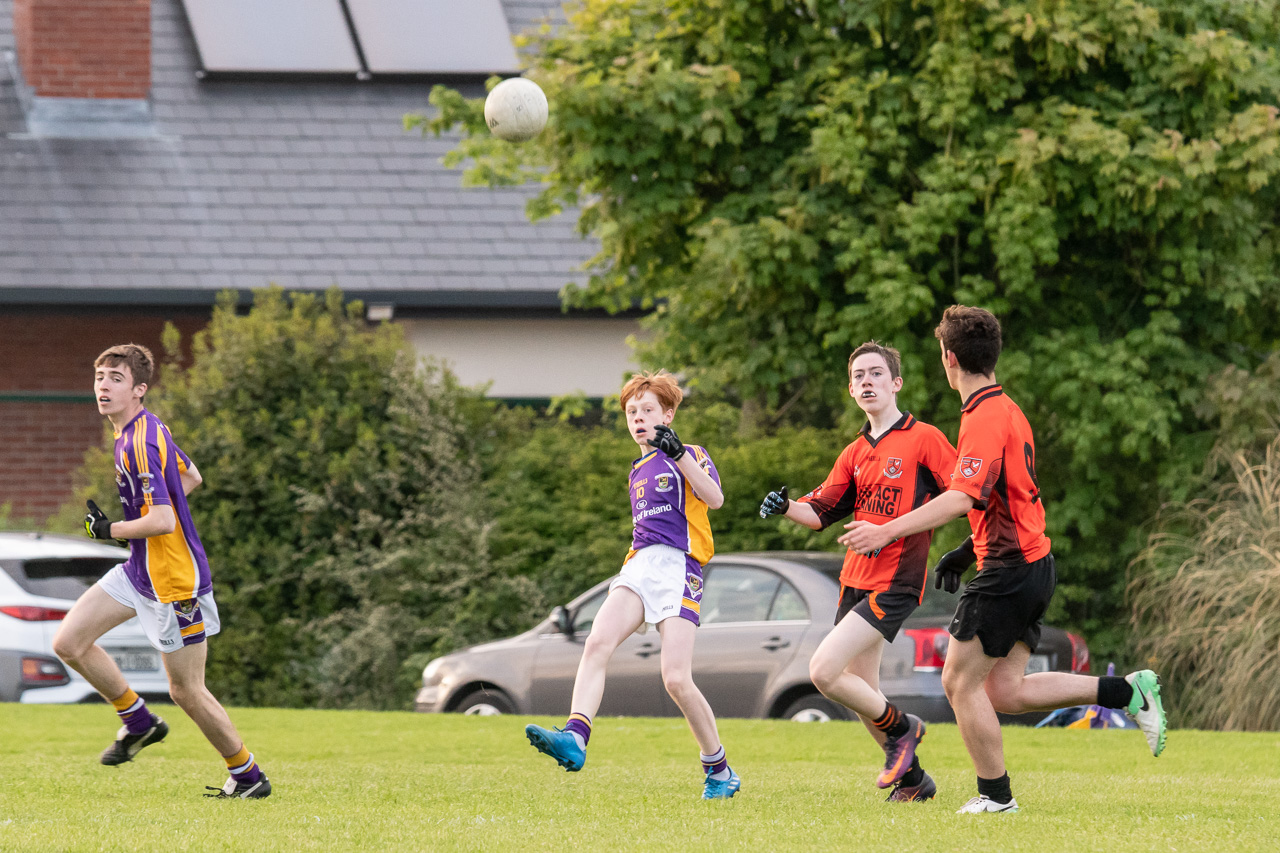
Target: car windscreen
pixel 65 578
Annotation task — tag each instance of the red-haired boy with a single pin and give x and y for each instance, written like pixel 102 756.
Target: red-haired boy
pixel 672 485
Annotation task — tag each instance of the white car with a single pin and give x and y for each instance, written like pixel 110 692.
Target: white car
pixel 41 576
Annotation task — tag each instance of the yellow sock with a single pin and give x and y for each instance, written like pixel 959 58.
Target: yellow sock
pixel 240 758
pixel 125 701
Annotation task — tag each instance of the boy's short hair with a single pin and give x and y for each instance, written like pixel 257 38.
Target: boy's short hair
pixel 889 354
pixel 138 358
pixel 973 334
pixel 662 384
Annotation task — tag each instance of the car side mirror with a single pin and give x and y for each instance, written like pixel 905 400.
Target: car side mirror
pixel 563 620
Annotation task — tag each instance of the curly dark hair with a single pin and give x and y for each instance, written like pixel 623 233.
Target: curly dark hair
pixel 973 334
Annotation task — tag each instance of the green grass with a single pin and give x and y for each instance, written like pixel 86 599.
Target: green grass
pixel 399 781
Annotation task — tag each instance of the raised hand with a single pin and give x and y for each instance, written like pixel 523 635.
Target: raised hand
pixel 775 503
pixel 666 440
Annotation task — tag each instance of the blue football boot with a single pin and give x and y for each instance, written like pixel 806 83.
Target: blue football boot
pixel 559 744
pixel 721 789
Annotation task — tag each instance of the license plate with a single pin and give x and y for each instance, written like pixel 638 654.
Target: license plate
pixel 136 660
pixel 1038 663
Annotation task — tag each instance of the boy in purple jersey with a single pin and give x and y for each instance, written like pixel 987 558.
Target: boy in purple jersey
pixel 672 488
pixel 165 582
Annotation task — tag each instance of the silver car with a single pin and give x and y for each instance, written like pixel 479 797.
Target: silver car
pixel 763 615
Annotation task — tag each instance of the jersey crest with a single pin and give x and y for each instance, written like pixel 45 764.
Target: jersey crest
pixel 970 466
pixel 893 468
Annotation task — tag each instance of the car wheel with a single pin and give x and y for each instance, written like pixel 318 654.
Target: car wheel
pixel 485 703
pixel 814 708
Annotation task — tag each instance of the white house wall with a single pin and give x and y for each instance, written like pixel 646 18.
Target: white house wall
pixel 534 357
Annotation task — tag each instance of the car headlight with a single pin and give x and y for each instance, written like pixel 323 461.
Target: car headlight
pixel 431 674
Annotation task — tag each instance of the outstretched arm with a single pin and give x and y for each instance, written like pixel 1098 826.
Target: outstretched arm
pixel 779 503
pixel 865 536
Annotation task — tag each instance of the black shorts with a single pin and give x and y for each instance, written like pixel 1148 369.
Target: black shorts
pixel 885 610
pixel 1005 604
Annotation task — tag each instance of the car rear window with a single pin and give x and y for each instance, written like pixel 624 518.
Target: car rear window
pixel 937 603
pixel 64 578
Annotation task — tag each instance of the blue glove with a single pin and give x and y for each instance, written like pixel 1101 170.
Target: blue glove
pixel 775 503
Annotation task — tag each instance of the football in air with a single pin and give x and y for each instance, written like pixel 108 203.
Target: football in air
pixel 516 110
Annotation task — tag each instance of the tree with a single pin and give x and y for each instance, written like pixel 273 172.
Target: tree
pixel 779 181
pixel 341 506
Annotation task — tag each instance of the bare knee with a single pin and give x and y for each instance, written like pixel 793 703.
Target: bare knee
pixel 1005 698
pixel 69 647
pixel 184 694
pixel 679 684
pixel 823 675
pixel 954 684
pixel 597 650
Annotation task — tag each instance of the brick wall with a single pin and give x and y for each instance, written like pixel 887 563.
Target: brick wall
pixel 47 414
pixel 43 444
pixel 84 48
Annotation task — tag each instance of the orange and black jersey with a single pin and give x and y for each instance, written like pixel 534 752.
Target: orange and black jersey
pixel 879 479
pixel 997 468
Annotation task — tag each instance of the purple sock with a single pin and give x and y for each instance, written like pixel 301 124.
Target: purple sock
pixel 247 772
pixel 580 725
pixel 715 763
pixel 137 719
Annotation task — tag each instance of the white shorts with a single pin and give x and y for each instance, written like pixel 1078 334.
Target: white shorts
pixel 668 581
pixel 170 626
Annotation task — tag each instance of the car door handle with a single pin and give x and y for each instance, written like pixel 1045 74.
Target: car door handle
pixel 646 650
pixel 774 643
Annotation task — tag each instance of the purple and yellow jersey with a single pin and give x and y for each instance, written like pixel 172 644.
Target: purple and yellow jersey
pixel 664 508
pixel 171 567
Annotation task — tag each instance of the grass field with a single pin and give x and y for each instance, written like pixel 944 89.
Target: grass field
pixel 399 781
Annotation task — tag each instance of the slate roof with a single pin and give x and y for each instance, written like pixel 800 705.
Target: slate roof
pixel 304 183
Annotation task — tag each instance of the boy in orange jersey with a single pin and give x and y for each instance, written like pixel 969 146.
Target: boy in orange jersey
pixel 672 487
pixel 998 619
pixel 894 465
pixel 165 582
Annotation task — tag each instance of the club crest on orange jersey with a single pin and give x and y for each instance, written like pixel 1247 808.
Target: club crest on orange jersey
pixel 969 466
pixel 893 468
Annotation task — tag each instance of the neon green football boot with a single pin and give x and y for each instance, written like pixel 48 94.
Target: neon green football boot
pixel 1146 709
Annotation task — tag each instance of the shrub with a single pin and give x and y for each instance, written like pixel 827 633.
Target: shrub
pixel 1205 598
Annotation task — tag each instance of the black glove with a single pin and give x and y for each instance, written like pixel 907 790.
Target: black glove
pixel 953 564
pixel 775 503
pixel 96 523
pixel 666 440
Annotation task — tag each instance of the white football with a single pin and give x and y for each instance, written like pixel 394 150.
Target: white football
pixel 516 110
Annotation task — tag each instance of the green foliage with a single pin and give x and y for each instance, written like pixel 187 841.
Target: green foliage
pixel 1246 404
pixel 780 181
pixel 1206 600
pixel 339 507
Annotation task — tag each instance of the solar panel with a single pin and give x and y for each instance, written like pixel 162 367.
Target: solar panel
pixel 273 35
pixel 434 36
